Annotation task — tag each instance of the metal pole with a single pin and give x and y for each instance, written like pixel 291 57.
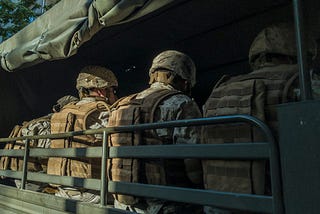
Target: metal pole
pixel 25 164
pixel 104 184
pixel 304 76
pixel 275 174
pixel 42 6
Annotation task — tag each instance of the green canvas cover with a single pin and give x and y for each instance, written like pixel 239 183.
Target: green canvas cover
pixel 60 32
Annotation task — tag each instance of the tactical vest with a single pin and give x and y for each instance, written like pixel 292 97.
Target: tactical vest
pixel 74 117
pixel 129 111
pixel 16 163
pixel 256 94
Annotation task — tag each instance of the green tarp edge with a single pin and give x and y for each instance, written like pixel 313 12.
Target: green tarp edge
pixel 60 32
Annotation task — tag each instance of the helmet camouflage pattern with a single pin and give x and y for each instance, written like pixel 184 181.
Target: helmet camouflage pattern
pixel 275 39
pixel 177 63
pixel 96 77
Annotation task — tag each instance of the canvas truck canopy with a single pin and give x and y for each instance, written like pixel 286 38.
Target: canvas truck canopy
pixel 59 32
pixel 124 36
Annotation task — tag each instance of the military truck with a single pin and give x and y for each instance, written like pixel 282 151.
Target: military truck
pixel 40 64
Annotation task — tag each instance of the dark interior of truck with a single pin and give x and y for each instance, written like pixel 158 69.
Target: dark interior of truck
pixel 215 34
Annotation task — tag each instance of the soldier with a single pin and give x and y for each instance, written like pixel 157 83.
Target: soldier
pixel 39 126
pixel 274 80
pixel 97 87
pixel 172 75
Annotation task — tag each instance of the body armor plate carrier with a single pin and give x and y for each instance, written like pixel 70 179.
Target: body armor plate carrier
pixel 152 171
pixel 73 117
pixel 256 94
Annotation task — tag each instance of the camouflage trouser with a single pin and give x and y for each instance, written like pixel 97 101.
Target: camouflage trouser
pixel 139 208
pixel 159 207
pixel 80 195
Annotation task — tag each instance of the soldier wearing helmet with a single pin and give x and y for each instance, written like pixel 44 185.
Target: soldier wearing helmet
pixel 171 65
pixel 273 81
pixel 96 86
pixel 97 82
pixel 172 75
pixel 274 45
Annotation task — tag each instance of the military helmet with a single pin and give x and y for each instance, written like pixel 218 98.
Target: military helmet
pixel 177 63
pixel 276 39
pixel 96 77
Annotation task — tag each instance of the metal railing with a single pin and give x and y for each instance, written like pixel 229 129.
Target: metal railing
pixel 240 151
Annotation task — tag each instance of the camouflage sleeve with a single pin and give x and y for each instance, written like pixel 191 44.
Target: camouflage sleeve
pixel 187 135
pixel 178 107
pixel 39 127
pixel 190 135
pixel 97 120
pixel 181 107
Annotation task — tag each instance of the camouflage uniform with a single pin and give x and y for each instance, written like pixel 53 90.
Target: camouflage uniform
pixel 175 107
pixel 91 77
